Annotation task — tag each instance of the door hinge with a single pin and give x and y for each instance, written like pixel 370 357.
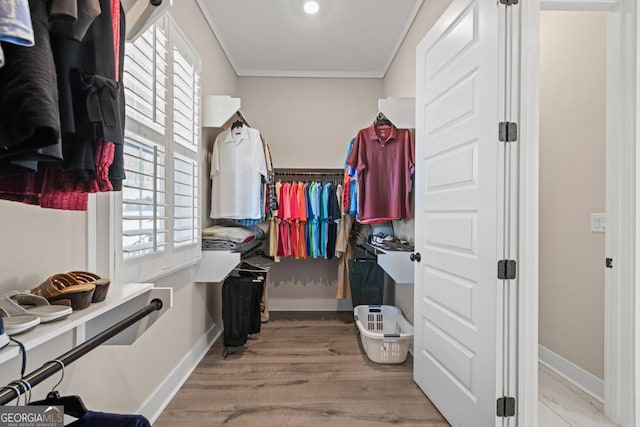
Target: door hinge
pixel 506 407
pixel 507 131
pixel 508 2
pixel 506 269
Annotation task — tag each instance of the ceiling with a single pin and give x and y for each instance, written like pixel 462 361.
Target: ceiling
pixel 346 38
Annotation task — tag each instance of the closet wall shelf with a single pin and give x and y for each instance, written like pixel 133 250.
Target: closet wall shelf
pixel 401 111
pixel 214 266
pixel 219 109
pixel 396 264
pixel 121 301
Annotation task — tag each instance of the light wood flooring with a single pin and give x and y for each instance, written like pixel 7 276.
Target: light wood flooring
pixel 302 369
pixel 561 404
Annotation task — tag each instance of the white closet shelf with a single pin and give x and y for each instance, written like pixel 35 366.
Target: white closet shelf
pixel 214 266
pixel 401 111
pixel 396 264
pixel 121 301
pixel 218 110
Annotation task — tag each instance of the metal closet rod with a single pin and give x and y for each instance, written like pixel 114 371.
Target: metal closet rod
pixel 309 172
pixel 51 367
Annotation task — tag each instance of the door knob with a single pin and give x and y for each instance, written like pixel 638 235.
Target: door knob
pixel 415 257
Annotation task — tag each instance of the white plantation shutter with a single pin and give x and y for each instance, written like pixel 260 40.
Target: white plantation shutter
pixel 145 78
pixel 186 96
pixel 143 198
pixel 186 202
pixel 159 214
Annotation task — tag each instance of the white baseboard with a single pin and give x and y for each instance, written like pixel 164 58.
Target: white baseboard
pixel 162 395
pixel 309 304
pixel 571 372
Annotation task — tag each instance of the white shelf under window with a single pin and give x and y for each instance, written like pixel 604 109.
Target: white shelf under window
pixel 214 266
pixel 121 301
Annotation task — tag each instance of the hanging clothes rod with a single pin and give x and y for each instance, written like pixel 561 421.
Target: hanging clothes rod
pixel 53 366
pixel 339 173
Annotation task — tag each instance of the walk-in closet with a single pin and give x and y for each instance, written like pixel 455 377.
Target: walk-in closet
pixel 318 212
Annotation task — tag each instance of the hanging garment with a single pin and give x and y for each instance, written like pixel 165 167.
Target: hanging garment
pixel 302 222
pixel 333 219
pixel 310 219
pixel 258 278
pixel 271 204
pixel 343 247
pixel 72 18
pixel 237 167
pixel 15 23
pixel 29 118
pixel 324 217
pixel 384 158
pixel 294 220
pixel 273 226
pixel 350 194
pixel 316 205
pixel 236 305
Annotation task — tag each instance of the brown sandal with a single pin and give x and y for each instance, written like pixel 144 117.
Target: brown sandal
pixel 102 285
pixel 62 289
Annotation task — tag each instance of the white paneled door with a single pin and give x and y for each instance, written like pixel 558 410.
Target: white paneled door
pixel 458 316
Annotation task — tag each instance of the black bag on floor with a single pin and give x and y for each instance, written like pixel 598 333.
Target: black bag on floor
pixel 366 282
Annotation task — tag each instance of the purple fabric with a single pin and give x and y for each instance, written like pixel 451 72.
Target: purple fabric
pixel 384 158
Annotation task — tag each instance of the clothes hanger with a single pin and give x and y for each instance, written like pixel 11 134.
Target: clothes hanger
pixel 73 405
pixel 382 120
pixel 237 124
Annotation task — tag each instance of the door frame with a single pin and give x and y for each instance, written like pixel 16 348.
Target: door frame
pixel 622 323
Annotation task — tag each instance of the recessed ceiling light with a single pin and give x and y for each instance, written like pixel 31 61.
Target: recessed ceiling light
pixel 311 7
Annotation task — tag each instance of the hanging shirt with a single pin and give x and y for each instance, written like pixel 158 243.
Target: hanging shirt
pixel 332 220
pixel 295 217
pixel 302 224
pixel 324 214
pixel 237 167
pixel 273 225
pixel 384 158
pixel 316 204
pixel 311 219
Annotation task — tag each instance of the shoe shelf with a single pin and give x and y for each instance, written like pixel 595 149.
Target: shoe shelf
pixel 396 264
pixel 121 301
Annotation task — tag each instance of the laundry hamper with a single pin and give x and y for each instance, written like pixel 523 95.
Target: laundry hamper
pixel 384 332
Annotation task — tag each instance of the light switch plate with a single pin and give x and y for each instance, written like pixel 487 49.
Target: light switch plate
pixel 598 222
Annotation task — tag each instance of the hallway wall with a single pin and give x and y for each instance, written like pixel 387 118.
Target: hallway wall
pixel 572 186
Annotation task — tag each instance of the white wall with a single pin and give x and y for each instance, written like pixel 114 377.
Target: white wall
pixel 40 242
pixel 572 185
pixel 400 81
pixel 308 123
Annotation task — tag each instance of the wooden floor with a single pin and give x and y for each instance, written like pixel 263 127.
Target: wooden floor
pixel 300 371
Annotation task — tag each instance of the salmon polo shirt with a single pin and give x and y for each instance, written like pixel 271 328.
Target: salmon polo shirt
pixel 384 157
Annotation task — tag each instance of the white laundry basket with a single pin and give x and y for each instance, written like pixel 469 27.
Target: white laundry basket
pixel 384 332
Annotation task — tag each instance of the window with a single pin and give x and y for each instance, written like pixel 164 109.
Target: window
pixel 157 212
